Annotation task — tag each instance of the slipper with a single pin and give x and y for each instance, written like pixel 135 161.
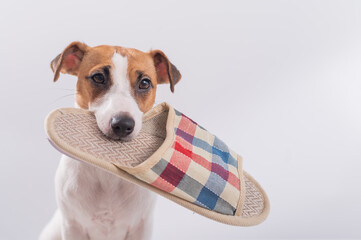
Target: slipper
pixel 172 156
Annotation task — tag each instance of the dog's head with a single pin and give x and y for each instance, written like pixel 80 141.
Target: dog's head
pixel 118 84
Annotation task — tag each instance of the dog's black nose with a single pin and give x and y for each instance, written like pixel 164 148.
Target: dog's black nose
pixel 122 125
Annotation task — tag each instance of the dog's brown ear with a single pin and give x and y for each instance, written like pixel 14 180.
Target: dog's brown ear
pixel 69 60
pixel 166 71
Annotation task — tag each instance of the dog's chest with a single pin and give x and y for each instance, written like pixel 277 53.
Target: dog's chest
pixel 103 202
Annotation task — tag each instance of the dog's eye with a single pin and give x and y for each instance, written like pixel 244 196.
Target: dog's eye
pixel 144 83
pixel 98 78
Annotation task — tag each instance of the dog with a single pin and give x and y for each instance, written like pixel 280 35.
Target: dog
pixel 118 85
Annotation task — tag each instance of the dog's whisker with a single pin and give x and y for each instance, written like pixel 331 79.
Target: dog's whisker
pixel 65 89
pixel 68 95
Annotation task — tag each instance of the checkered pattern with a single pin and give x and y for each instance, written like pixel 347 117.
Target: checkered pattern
pixel 199 168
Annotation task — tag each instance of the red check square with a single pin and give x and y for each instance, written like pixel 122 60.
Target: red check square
pixel 186 125
pixel 172 175
pixel 180 161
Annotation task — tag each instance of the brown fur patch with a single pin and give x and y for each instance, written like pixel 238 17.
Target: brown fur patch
pixel 94 59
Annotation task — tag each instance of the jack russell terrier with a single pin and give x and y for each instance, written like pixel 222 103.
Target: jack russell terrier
pixel 118 85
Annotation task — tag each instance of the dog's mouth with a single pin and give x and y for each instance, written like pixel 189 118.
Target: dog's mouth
pixel 115 137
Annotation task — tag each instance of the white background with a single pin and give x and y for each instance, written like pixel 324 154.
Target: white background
pixel 278 81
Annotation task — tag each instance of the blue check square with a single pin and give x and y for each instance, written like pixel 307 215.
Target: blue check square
pixel 207 198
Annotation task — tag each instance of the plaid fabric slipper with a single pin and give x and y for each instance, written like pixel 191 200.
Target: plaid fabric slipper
pixel 172 156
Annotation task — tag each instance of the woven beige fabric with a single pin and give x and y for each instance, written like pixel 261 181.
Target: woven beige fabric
pixel 254 201
pixel 81 132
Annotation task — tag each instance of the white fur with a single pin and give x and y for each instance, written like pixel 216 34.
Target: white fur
pixel 94 204
pixel 118 99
